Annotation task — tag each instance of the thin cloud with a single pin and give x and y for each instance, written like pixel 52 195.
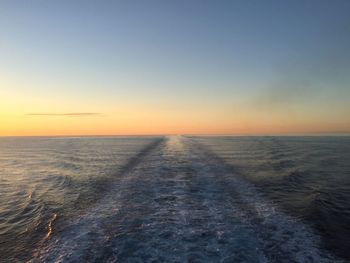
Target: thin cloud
pixel 70 114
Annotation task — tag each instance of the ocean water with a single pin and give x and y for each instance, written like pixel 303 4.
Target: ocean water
pixel 175 199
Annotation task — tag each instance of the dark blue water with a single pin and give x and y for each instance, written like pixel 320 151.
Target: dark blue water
pixel 308 177
pixel 175 199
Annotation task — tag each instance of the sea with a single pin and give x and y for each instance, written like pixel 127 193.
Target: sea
pixel 175 199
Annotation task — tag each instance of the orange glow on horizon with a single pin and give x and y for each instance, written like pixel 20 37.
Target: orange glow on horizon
pixel 28 115
pixel 156 125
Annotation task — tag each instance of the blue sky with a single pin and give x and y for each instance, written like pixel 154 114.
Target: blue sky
pixel 291 57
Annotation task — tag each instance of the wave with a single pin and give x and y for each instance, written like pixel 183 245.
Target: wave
pixel 176 201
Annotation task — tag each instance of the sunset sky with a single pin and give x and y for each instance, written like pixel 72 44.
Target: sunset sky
pixel 169 67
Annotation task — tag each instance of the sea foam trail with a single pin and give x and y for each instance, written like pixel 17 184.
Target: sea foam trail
pixel 177 202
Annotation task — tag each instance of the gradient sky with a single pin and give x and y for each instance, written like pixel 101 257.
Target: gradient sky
pixel 165 67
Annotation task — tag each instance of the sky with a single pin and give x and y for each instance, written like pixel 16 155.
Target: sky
pixel 174 67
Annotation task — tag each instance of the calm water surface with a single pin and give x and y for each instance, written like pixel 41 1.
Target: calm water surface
pixel 175 199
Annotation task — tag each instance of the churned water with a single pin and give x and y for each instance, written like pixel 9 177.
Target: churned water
pixel 175 199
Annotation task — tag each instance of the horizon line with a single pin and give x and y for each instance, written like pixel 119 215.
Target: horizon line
pixel 334 134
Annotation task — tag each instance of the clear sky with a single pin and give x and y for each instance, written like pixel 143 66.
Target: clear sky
pixel 165 67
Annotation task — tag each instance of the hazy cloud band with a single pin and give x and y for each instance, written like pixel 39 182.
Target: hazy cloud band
pixel 72 114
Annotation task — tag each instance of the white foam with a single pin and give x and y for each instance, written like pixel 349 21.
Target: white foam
pixel 187 205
